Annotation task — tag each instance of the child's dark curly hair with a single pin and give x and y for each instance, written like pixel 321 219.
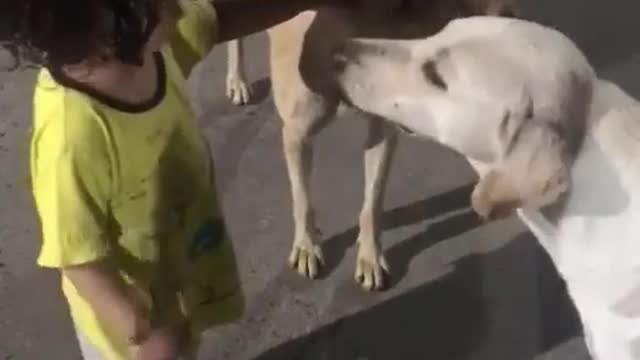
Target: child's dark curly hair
pixel 55 33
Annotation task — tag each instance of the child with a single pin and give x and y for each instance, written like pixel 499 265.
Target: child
pixel 122 178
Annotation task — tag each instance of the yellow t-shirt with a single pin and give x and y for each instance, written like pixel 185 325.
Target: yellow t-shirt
pixel 134 186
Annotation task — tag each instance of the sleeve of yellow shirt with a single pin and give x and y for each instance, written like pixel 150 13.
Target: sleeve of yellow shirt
pixel 71 182
pixel 196 33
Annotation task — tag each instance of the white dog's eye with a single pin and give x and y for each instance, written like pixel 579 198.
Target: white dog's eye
pixel 430 71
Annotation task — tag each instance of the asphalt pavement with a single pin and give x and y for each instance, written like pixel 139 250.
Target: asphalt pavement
pixel 460 289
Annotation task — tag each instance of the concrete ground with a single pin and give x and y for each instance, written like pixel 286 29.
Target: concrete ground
pixel 460 290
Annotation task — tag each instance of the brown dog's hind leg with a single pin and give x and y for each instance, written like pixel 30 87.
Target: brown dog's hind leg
pixel 303 112
pixel 237 89
pixel 306 255
pixel 312 114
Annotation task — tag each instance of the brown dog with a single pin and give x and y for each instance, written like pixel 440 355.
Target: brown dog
pixel 307 97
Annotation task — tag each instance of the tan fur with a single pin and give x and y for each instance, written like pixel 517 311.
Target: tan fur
pixel 306 97
pixel 551 144
pixel 495 196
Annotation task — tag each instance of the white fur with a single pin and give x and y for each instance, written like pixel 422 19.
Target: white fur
pixel 500 65
pixel 594 242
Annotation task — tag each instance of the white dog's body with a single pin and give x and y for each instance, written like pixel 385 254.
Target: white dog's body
pixel 592 232
pixel 594 240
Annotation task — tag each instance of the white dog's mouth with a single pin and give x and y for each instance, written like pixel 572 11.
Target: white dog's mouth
pixel 374 77
pixel 340 60
pixel 340 65
pixel 406 130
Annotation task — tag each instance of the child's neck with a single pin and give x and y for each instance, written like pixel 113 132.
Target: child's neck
pixel 126 83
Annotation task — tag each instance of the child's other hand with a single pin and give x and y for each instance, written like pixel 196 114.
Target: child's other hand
pixel 165 343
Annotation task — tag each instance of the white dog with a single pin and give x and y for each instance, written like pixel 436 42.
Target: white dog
pixel 546 136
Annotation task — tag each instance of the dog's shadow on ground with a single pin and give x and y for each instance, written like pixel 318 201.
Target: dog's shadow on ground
pixel 449 317
pixel 400 255
pixel 445 320
pixel 260 91
pixel 453 317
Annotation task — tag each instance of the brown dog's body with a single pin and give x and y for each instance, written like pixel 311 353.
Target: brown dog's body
pixel 306 97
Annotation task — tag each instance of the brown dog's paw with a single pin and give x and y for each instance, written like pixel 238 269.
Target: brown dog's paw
pixel 372 271
pixel 307 259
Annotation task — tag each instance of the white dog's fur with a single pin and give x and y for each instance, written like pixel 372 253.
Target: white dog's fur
pixel 491 66
pixel 593 240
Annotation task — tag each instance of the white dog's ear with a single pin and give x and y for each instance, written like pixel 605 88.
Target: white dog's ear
pixel 433 75
pixel 495 196
pixel 498 193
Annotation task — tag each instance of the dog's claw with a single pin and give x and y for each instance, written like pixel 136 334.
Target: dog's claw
pixel 306 260
pixel 238 91
pixel 372 275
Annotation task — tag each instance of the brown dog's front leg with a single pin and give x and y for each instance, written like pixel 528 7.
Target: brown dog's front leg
pixel 306 255
pixel 371 265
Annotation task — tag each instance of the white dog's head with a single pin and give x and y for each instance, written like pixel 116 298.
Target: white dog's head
pixel 526 157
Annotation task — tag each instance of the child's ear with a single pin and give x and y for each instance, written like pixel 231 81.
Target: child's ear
pixel 495 196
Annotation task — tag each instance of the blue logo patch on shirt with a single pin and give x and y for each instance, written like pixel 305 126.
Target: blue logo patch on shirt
pixel 207 238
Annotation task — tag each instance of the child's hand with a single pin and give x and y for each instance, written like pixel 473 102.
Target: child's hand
pixel 165 343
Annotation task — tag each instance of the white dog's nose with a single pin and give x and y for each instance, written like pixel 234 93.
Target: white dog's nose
pixel 357 51
pixel 344 54
pixel 352 50
pixel 339 59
